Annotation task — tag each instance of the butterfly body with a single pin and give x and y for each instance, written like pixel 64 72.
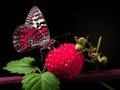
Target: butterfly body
pixel 34 33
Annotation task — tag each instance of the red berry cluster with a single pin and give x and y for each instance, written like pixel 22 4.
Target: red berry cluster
pixel 65 61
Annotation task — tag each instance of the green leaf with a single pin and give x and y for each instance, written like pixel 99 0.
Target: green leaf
pixel 44 81
pixel 50 81
pixel 22 66
pixel 30 80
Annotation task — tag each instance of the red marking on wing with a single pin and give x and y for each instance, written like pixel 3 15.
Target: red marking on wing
pixel 39 35
pixel 26 33
pixel 24 36
pixel 43 29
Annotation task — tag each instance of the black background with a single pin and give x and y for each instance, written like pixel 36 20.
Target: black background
pixel 78 18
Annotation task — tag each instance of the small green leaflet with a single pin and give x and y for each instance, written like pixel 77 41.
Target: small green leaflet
pixel 22 66
pixel 44 81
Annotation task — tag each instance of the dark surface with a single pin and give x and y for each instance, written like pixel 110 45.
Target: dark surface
pixel 82 19
pixel 70 86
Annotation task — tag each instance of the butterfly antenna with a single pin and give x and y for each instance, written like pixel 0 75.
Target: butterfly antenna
pixel 62 36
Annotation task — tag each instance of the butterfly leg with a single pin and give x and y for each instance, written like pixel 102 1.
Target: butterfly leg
pixel 41 54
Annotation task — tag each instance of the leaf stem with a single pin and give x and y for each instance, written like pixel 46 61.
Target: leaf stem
pixel 44 68
pixel 38 69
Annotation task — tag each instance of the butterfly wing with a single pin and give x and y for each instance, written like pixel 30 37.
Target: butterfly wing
pixel 33 34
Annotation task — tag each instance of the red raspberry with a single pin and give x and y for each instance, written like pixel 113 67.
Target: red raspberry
pixel 65 61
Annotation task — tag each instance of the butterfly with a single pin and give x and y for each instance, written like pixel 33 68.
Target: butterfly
pixel 34 33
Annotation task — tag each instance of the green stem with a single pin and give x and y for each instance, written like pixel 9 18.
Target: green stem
pixel 90 61
pixel 93 60
pixel 98 45
pixel 96 66
pixel 106 85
